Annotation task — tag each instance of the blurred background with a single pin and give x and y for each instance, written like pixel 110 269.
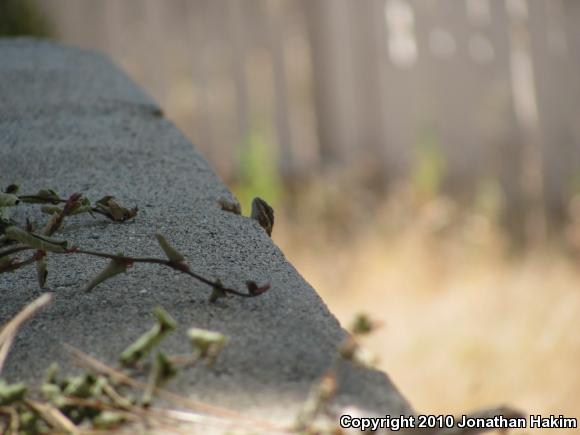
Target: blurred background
pixel 423 158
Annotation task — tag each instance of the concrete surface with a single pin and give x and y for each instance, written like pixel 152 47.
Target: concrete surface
pixel 70 120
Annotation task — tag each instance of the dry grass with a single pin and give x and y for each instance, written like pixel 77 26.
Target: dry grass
pixel 467 325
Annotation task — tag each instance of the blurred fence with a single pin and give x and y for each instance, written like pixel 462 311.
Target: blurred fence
pixel 489 89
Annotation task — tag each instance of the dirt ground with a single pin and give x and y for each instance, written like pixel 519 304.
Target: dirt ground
pixel 467 323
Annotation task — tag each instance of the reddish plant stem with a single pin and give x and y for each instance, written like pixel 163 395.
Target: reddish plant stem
pixel 180 267
pixel 11 267
pixel 40 199
pixel 56 222
pixel 14 250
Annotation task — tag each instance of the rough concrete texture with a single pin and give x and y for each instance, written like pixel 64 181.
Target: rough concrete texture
pixel 70 120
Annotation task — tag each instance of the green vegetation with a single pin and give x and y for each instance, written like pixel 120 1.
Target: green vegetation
pixel 258 171
pixel 22 18
pixel 428 168
pixel 102 397
pixel 16 238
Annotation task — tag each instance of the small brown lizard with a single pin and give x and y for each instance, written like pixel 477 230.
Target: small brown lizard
pixel 264 214
pixel 261 212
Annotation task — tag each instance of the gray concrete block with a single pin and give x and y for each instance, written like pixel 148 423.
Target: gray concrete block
pixel 71 120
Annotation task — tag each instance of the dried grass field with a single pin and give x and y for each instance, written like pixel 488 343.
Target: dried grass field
pixel 468 322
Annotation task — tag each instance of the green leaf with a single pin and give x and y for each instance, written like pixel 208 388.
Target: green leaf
pixel 109 420
pixel 115 267
pixel 217 292
pixel 6 262
pixel 10 393
pixel 8 200
pixel 208 343
pixel 230 206
pixel 43 196
pixel 50 209
pixel 161 371
pixel 50 391
pixel 41 272
pixel 82 206
pixel 110 208
pixel 5 213
pixel 36 241
pixel 172 254
pixel 80 386
pixel 51 374
pixel 165 324
pixel 164 368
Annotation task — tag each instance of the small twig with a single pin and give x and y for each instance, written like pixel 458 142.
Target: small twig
pixel 14 250
pixel 99 367
pixel 36 198
pixel 8 332
pixel 179 266
pixel 14 424
pixel 56 222
pixel 130 411
pixel 119 401
pixel 10 267
pixel 53 417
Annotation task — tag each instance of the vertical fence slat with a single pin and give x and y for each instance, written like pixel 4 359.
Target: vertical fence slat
pixel 329 82
pixel 330 34
pixel 275 29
